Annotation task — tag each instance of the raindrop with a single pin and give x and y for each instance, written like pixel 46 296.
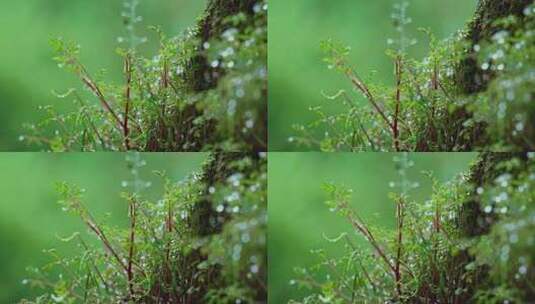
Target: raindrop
pixel 254 268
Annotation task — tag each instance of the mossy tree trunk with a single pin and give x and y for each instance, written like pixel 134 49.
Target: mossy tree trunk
pixel 204 222
pixel 474 222
pixel 200 77
pixel 470 79
pixel 205 77
pixel 207 221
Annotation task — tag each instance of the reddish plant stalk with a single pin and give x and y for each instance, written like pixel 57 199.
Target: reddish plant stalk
pixel 132 211
pixel 169 229
pixel 91 223
pixel 165 75
pixel 434 86
pixel 128 74
pixel 361 227
pixel 359 84
pixel 395 126
pixel 93 87
pixel 398 274
pixel 434 80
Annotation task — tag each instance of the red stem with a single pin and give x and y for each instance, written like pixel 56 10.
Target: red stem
pixel 357 82
pixel 128 73
pixel 399 211
pixel 132 212
pixel 395 128
pixel 95 89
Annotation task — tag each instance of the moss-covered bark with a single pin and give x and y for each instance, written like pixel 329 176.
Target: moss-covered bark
pixel 215 172
pixel 204 77
pixel 472 219
pixel 201 75
pixel 450 131
pixel 470 78
pixel 188 134
pixel 204 222
pixel 474 222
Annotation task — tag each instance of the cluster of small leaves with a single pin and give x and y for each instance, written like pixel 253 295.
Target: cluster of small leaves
pixel 240 247
pixel 407 265
pixel 160 107
pixel 508 250
pixel 429 258
pixel 161 257
pixel 130 19
pixel 506 104
pixel 238 102
pixel 425 110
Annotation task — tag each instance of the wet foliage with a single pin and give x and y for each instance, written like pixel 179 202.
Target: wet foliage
pixel 472 241
pixel 203 241
pixel 204 90
pixel 474 90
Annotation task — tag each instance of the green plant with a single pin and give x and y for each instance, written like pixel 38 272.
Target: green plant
pixel 202 242
pixel 471 242
pixel 203 90
pixel 472 92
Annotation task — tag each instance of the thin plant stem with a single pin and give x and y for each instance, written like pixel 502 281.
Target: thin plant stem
pixel 128 74
pixel 400 218
pixel 131 244
pixel 395 126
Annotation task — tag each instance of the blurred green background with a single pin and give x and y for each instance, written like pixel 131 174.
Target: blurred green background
pixel 297 72
pixel 31 219
pixel 298 217
pixel 27 72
